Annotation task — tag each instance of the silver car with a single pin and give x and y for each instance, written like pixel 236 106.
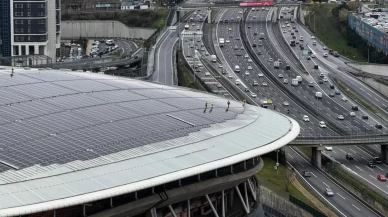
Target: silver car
pixel 329 192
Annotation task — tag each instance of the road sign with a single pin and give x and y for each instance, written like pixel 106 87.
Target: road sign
pixel 256 4
pixel 306 53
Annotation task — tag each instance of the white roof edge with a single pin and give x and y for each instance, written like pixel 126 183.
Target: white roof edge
pixel 112 192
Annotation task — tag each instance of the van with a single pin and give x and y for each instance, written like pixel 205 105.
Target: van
pixel 237 68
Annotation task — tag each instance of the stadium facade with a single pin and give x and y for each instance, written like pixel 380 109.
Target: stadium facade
pixel 84 144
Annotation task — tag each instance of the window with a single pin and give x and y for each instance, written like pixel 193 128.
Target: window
pixel 41 6
pixel 28 5
pixel 28 22
pixel 18 5
pixel 18 14
pixel 18 21
pixel 41 30
pixel 41 14
pixel 29 38
pixel 19 38
pixel 29 14
pixel 41 21
pixel 29 30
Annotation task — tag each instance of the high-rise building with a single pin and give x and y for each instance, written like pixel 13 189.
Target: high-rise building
pixel 30 27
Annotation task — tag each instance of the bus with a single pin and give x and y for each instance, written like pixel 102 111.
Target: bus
pixel 221 42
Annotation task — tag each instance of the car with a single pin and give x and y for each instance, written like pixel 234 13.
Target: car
pixel 242 48
pixel 331 94
pixel 246 55
pixel 379 126
pixel 260 74
pixel 340 117
pixel 246 73
pixel 325 79
pixel 230 29
pixel 264 84
pixel 284 31
pixel 270 59
pixel 285 103
pixel 352 114
pixel 288 25
pixel 349 156
pixel 328 148
pixel 306 173
pixel 312 55
pixel 329 192
pixel 344 99
pixel 296 30
pixel 331 86
pixel 381 177
pixel 237 38
pixel 227 41
pixel 320 81
pixel 377 160
pixel 250 67
pixel 237 82
pixel 258 52
pixel 240 12
pixel 354 108
pixel 312 37
pixel 237 18
pixel 219 85
pixel 321 75
pixel 249 27
pixel 324 48
pixel 253 95
pixel 202 49
pixel 325 55
pixel 280 75
pixel 255 83
pixel 283 26
pixel 249 60
pixel 220 66
pixel 285 81
pixel 230 76
pixel 255 33
pixel 193 24
pixel 337 92
pixel 365 117
pixel 322 124
pixel 371 164
pixel 254 45
pixel 306 118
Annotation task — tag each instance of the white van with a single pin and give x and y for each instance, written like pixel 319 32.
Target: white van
pixel 237 68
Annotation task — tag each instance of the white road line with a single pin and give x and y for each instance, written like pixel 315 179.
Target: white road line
pixel 342 150
pixel 300 164
pixel 290 155
pixel 326 184
pixel 356 207
pixel 359 168
pixel 380 168
pixel 341 196
pixel 314 175
pixel 371 176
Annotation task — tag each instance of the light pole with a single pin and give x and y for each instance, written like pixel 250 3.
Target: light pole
pixel 277 162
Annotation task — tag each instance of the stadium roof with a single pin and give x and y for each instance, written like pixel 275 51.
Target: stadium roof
pixel 69 138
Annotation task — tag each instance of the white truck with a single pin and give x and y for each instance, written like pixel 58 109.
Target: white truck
pixel 294 82
pixel 276 64
pixel 237 68
pixel 264 102
pixel 221 41
pixel 318 95
pixel 214 58
pixel 299 78
pixel 261 35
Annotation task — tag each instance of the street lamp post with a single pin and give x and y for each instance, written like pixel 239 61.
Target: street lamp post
pixel 277 162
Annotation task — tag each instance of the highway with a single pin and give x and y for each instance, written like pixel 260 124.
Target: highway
pixel 228 54
pixel 342 200
pixel 361 157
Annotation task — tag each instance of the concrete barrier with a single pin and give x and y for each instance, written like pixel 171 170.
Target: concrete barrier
pixel 75 29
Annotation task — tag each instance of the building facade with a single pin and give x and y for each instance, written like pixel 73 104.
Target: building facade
pixel 30 27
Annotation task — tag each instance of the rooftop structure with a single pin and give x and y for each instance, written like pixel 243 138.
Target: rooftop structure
pixel 71 138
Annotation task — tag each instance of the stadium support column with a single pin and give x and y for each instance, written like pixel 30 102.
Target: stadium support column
pixel 209 15
pixel 384 153
pixel 177 16
pixel 316 153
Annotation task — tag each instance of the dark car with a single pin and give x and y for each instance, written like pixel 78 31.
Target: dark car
pixel 337 92
pixel 320 81
pixel 249 27
pixel 258 52
pixel 315 66
pixel 255 33
pixel 354 108
pixel 296 30
pixel 288 67
pixel 293 37
pixel 365 117
pixel 331 86
pixel 349 156
pixel 254 45
pixel 306 173
pixel 371 164
pixel 377 160
pixel 379 126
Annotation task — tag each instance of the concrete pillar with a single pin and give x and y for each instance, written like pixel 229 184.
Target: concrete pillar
pixel 209 16
pixel 316 156
pixel 384 153
pixel 177 16
pixel 231 197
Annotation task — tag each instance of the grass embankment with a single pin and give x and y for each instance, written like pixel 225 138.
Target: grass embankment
pixel 327 30
pixel 350 93
pixel 133 18
pixel 185 77
pixel 280 183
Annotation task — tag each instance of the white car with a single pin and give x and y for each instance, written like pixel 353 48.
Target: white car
pixel 246 73
pixel 340 117
pixel 352 114
pixel 249 60
pixel 246 56
pixel 325 55
pixel 288 25
pixel 312 55
pixel 220 66
pixel 230 76
pixel 344 99
pixel 325 79
pixel 322 124
pixel 270 59
pixel 285 81
pixel 250 67
pixel 227 41
pixel 312 37
pixel 261 74
pixel 264 84
pixel 237 82
pixel 306 118
pixel 280 75
pixel 253 95
pixel 328 148
pixel 324 48
pixel 283 26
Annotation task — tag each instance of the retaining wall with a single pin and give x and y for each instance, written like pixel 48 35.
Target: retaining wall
pixel 75 29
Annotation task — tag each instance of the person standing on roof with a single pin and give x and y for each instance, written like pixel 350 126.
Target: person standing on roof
pixel 212 102
pixel 12 68
pixel 228 103
pixel 244 101
pixel 206 105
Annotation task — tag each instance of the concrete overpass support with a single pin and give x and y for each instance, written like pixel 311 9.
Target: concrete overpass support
pixel 384 153
pixel 209 15
pixel 316 155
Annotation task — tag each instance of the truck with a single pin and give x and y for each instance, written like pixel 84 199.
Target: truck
pixel 318 95
pixel 261 35
pixel 299 78
pixel 221 42
pixel 264 103
pixel 214 58
pixel 276 64
pixel 294 82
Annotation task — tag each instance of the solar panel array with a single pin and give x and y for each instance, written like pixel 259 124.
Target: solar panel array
pixel 51 117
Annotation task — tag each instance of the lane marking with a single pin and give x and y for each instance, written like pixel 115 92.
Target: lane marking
pixel 359 168
pixel 326 184
pixel 356 207
pixel 341 196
